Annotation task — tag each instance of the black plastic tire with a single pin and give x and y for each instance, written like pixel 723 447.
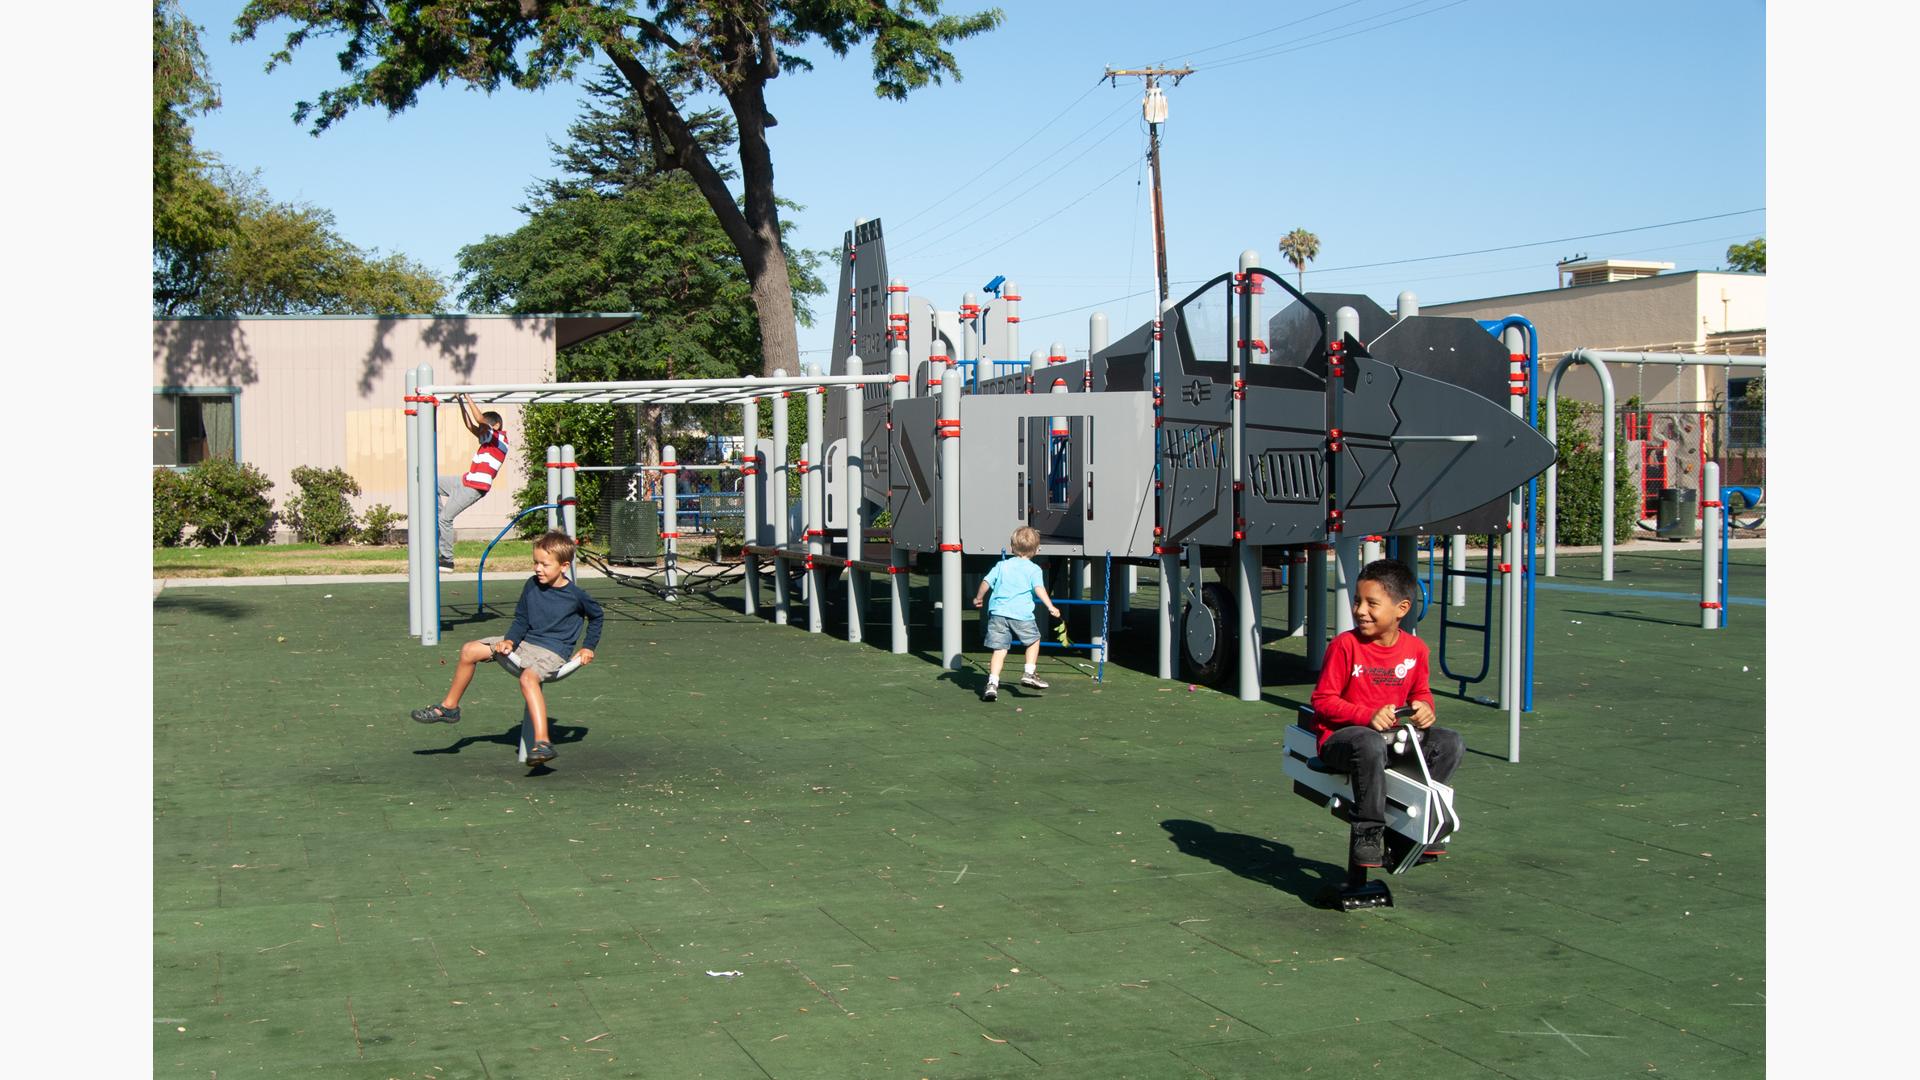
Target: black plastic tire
pixel 1209 643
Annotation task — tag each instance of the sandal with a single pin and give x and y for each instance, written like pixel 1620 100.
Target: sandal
pixel 541 753
pixel 437 714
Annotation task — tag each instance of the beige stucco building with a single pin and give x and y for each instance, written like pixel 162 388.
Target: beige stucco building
pixel 1632 306
pixel 326 391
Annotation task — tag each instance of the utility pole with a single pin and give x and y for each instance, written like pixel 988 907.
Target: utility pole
pixel 1154 108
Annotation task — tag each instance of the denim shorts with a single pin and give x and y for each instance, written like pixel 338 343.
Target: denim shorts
pixel 1003 631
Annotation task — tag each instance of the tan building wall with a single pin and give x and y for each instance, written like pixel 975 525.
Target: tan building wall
pixel 1697 311
pixel 327 392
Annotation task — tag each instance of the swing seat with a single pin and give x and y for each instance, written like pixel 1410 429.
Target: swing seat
pixel 508 665
pixel 1419 808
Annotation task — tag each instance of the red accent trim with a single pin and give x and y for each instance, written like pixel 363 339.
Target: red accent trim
pixel 1013 318
pixel 1238 485
pixel 1710 604
pixel 892 570
pixel 1238 535
pixel 411 412
pixel 903 378
pixel 949 547
pixel 1712 502
pixel 939 358
pixel 566 464
pixel 1518 357
pixel 670 535
pixel 1157 531
pixel 1015 297
pixel 896 288
pixel 812 532
pixel 669 468
pixel 1506 568
pixel 809 561
pixel 1158 550
pixel 569 502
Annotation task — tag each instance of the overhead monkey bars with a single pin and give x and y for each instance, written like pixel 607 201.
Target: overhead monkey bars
pixel 424 397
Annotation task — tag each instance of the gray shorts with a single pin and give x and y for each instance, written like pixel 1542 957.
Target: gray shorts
pixel 1003 631
pixel 529 656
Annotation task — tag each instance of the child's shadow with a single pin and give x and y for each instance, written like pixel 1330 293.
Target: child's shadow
pixel 1255 859
pixel 511 738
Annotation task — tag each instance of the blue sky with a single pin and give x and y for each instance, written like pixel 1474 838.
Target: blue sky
pixel 1394 130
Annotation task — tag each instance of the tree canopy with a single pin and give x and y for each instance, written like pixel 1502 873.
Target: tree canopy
pixel 221 244
pixel 1300 248
pixel 1750 256
pixel 732 48
pixel 615 231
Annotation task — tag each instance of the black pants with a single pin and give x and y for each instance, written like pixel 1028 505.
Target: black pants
pixel 1361 753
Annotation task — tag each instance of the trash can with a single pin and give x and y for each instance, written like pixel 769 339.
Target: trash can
pixel 1678 519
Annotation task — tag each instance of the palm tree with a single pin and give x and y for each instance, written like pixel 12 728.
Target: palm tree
pixel 1300 247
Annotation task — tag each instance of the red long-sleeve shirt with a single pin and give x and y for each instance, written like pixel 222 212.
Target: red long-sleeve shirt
pixel 1360 676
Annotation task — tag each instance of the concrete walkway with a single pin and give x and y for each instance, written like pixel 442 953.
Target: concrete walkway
pixel 1656 547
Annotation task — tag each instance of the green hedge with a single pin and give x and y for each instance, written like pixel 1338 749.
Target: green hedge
pixel 1579 512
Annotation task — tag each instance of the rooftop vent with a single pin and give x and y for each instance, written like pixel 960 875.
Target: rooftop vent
pixel 1585 271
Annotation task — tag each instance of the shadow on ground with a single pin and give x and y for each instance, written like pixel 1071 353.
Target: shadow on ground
pixel 1256 859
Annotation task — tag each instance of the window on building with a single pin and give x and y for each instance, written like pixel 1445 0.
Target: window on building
pixel 189 428
pixel 1746 427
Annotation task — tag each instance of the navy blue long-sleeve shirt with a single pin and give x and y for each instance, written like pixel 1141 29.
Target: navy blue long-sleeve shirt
pixel 550 617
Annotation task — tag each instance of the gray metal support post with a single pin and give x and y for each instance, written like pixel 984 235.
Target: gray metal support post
pixel 1246 568
pixel 1296 592
pixel 414 539
pixel 1316 606
pixel 949 485
pixel 813 488
pixel 899 582
pixel 1457 559
pixel 750 500
pixel 777 492
pixel 1513 611
pixel 429 474
pixel 1606 459
pixel 853 496
pixel 1169 621
pixel 1710 586
pixel 1406 304
pixel 1011 294
pixel 569 475
pixel 553 487
pixel 1346 549
pixel 670 506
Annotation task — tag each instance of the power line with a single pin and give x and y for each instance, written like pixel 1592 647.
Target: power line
pixel 1431 258
pixel 1262 33
pixel 1077 200
pixel 1308 42
pixel 1539 243
pixel 1009 199
pixel 908 242
pixel 996 163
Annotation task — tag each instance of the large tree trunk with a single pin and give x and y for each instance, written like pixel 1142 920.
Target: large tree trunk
pixel 754 229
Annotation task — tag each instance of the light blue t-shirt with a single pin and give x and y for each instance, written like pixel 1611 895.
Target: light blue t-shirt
pixel 1013 581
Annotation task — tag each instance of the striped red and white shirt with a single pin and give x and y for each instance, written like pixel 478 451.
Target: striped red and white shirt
pixel 487 461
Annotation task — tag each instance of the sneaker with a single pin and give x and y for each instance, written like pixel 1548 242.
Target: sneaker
pixel 1368 846
pixel 992 691
pixel 1034 681
pixel 540 753
pixel 446 564
pixel 437 714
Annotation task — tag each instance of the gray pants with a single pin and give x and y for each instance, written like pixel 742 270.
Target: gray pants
pixel 454 497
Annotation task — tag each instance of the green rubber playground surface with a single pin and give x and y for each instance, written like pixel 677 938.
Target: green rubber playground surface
pixel 764 853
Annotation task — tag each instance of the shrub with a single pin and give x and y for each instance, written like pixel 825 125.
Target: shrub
pixel 227 503
pixel 321 514
pixel 377 526
pixel 169 507
pixel 1579 512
